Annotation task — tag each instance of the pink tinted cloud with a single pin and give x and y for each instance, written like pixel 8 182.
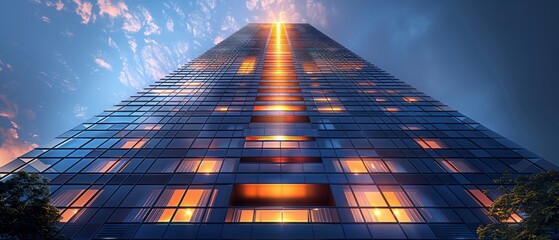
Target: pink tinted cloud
pixel 101 63
pixel 84 10
pixel 110 9
pixel 11 146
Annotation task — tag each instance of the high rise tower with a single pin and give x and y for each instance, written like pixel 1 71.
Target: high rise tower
pixel 278 132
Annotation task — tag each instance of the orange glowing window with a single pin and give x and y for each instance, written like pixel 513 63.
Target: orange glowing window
pixel 279 98
pixel 209 166
pixel 369 196
pixel 160 215
pixel 279 90
pixel 196 198
pixel 88 196
pixel 430 143
pixel 246 215
pixel 279 138
pixel 279 119
pixel 279 108
pixel 481 197
pixel 287 77
pixel 376 166
pixel 282 195
pixel 405 215
pixel 68 214
pixel 395 196
pixel 247 66
pixel 378 215
pixel 280 159
pixel 391 109
pixel 268 216
pixel 188 215
pixel 457 166
pixel 133 143
pixel 411 99
pixel 295 216
pixel 331 109
pixel 279 84
pixel 353 166
pixel 221 109
pixel 170 198
pixel 380 99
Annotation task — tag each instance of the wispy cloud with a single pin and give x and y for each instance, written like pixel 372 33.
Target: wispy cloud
pixel 84 10
pixel 45 19
pixel 170 25
pixel 218 39
pixel 11 146
pixel 80 111
pixel 101 63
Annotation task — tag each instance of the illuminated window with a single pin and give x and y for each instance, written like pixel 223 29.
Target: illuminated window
pixel 209 166
pixel 68 214
pixel 391 109
pixel 368 196
pixel 378 215
pixel 279 98
pixel 279 119
pixel 160 215
pixel 87 197
pixel 221 109
pixel 188 215
pixel 430 143
pixel 457 166
pixel 170 198
pixel 196 197
pixel 280 160
pixel 480 197
pixel 406 215
pixel 279 108
pixel 279 90
pixel 331 109
pixel 376 166
pixel 279 84
pixel 353 166
pixel 247 66
pixel 395 196
pixel 66 195
pixel 411 99
pixel 106 166
pixel 278 138
pixel 282 195
pixel 132 143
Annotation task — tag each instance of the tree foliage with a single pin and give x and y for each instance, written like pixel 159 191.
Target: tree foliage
pixel 535 199
pixel 25 210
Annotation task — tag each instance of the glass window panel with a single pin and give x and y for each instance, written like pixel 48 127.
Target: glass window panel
pixel 405 215
pixel 160 215
pixel 170 197
pixel 196 197
pixel 424 196
pixel 395 196
pixel 188 215
pixel 368 196
pixel 353 166
pixel 142 196
pixel 378 215
pixel 188 165
pixel 375 166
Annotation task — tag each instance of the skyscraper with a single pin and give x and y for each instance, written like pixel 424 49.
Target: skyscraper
pixel 278 132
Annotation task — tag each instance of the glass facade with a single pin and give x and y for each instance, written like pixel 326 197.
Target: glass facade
pixel 278 132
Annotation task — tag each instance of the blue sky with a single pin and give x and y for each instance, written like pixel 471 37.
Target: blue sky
pixel 62 61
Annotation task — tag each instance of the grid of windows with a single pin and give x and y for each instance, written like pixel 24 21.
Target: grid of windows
pixel 276 132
